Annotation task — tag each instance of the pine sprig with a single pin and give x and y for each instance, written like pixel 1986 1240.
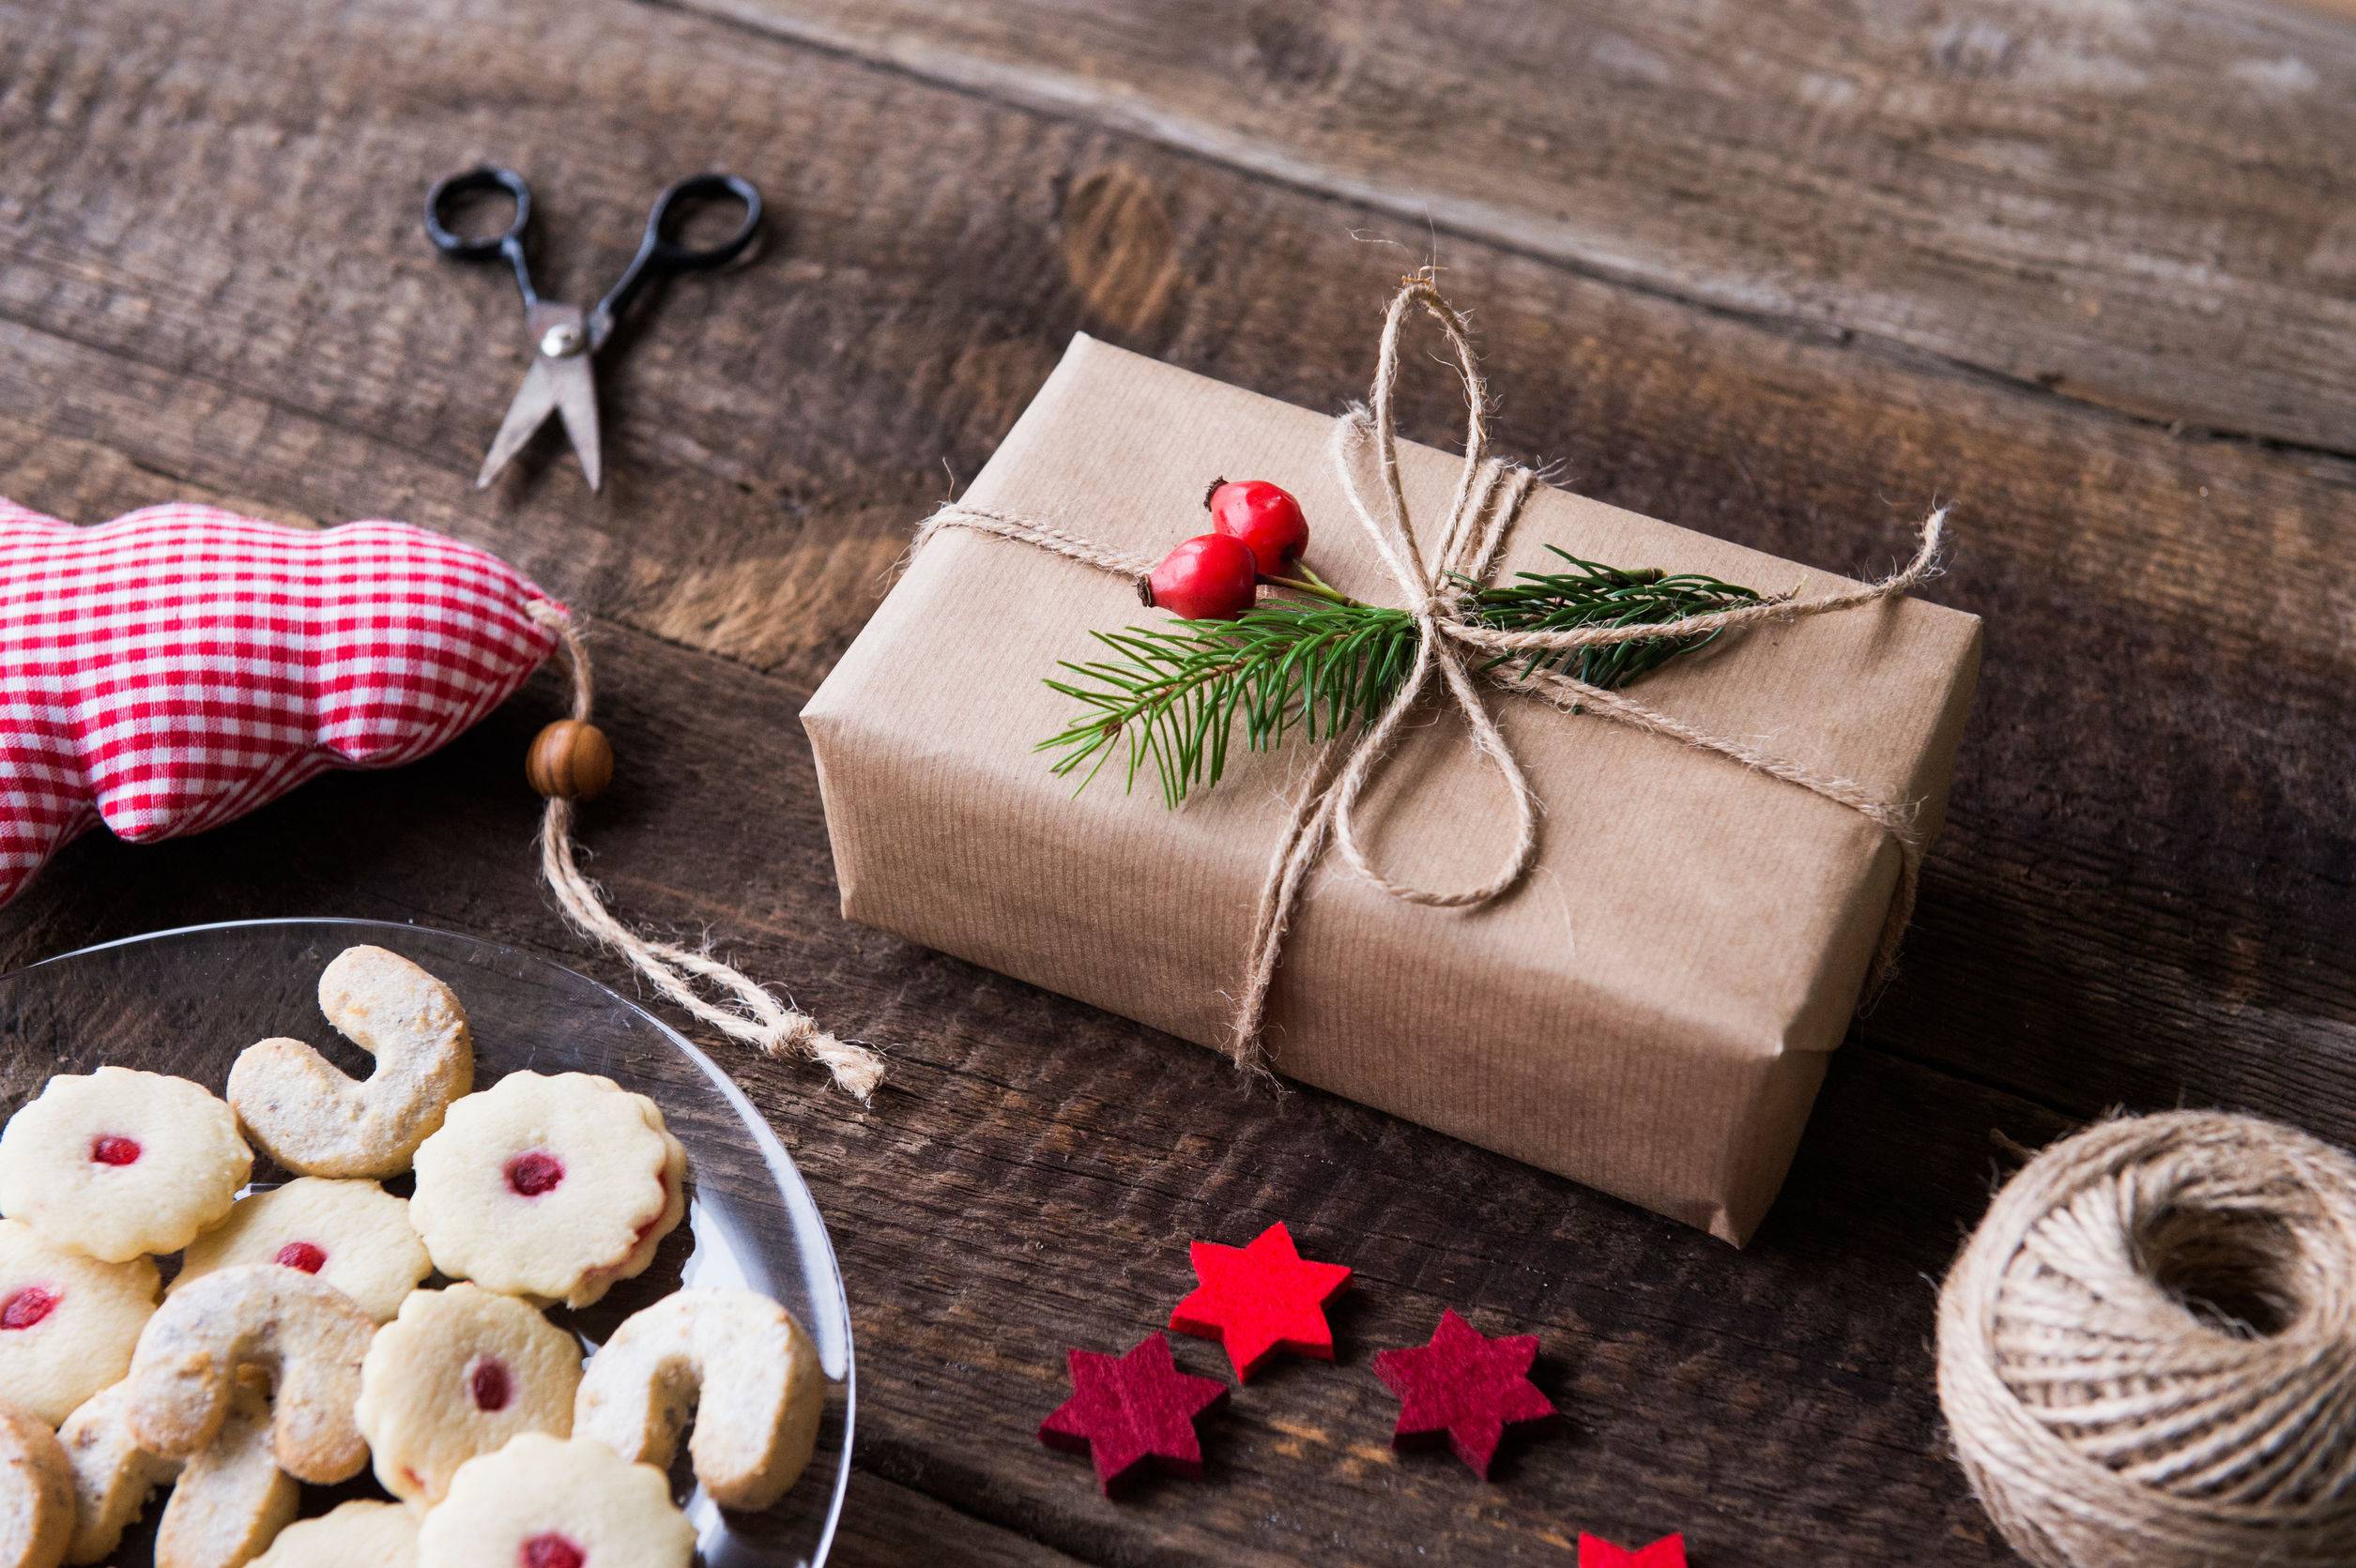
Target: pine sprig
pixel 1173 696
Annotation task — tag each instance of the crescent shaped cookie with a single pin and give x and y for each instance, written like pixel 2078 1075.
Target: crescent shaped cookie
pixel 116 1164
pixel 232 1500
pixel 311 1118
pixel 36 1493
pixel 308 1338
pixel 67 1322
pixel 744 1365
pixel 113 1475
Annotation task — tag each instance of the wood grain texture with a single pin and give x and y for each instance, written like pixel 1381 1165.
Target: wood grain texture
pixel 212 286
pixel 2147 206
pixel 888 1526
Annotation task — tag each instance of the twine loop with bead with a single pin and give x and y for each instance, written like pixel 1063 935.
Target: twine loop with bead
pixel 571 761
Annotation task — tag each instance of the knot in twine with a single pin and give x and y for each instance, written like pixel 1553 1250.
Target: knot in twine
pixel 747 1010
pixel 2148 1350
pixel 1487 502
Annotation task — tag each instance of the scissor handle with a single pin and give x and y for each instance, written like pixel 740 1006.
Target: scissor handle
pixel 507 244
pixel 659 254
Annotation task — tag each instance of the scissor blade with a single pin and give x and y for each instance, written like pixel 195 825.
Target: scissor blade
pixel 534 399
pixel 576 403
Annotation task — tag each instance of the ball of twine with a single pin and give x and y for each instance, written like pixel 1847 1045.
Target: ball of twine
pixel 2147 1353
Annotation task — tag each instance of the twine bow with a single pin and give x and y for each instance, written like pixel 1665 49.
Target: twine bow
pixel 1487 502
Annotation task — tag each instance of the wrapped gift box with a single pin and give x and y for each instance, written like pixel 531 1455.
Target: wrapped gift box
pixel 1648 1012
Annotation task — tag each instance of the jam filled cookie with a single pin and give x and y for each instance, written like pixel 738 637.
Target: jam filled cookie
pixel 315 1121
pixel 118 1162
pixel 744 1367
pixel 112 1475
pixel 67 1322
pixel 307 1337
pixel 36 1493
pixel 548 1187
pixel 233 1500
pixel 356 1535
pixel 550 1503
pixel 354 1234
pixel 457 1374
pixel 650 1237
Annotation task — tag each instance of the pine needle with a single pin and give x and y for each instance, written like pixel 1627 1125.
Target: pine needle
pixel 1169 697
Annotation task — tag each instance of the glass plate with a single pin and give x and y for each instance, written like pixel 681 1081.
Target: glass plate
pixel 187 1001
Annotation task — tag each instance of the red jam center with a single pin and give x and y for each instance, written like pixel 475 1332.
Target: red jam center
pixel 490 1386
pixel 551 1551
pixel 530 1175
pixel 112 1149
pixel 303 1256
pixel 645 1227
pixel 28 1307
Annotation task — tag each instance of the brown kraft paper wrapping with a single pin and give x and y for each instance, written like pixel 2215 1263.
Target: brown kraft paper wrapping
pixel 1647 1012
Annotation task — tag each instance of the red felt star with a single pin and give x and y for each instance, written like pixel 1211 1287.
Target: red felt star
pixel 1125 1411
pixel 1465 1385
pixel 1596 1552
pixel 1260 1299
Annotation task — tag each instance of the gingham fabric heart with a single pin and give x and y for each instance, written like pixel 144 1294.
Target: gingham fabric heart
pixel 179 666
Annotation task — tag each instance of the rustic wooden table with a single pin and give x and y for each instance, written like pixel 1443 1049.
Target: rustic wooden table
pixel 1780 271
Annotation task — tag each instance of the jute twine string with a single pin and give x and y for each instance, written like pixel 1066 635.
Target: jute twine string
pixel 1487 503
pixel 2147 1353
pixel 756 1016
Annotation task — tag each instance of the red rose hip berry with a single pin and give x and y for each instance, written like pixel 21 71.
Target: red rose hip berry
pixel 1209 577
pixel 1264 517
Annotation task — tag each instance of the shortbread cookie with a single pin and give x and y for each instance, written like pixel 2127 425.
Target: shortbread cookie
pixel 744 1367
pixel 308 1338
pixel 547 1187
pixel 118 1162
pixel 112 1475
pixel 232 1500
pixel 67 1322
pixel 311 1118
pixel 354 1234
pixel 457 1374
pixel 641 1258
pixel 36 1493
pixel 551 1503
pixel 356 1535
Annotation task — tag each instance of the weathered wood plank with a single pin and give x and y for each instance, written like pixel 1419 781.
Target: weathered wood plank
pixel 2142 206
pixel 211 285
pixel 2143 895
pixel 888 1526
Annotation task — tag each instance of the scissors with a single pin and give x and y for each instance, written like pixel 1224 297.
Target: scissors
pixel 564 337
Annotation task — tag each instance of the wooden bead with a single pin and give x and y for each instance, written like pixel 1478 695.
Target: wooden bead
pixel 570 760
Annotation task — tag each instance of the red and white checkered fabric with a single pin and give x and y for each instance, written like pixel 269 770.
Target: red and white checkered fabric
pixel 177 667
